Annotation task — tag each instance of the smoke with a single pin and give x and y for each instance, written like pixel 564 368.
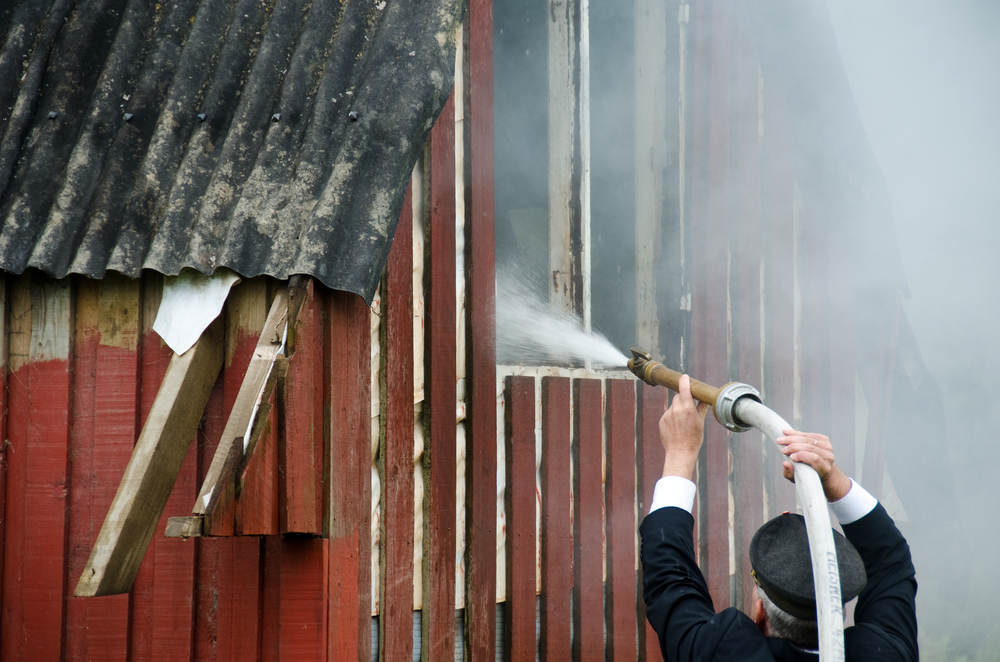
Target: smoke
pixel 530 332
pixel 925 80
pixel 893 111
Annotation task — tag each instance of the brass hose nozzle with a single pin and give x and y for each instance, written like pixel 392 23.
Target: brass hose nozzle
pixel 722 400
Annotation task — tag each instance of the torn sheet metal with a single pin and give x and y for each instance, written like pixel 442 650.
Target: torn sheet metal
pixel 191 301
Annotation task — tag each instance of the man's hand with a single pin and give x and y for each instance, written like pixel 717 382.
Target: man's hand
pixel 815 450
pixel 682 429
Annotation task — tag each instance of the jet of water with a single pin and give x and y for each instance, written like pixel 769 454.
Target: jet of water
pixel 529 331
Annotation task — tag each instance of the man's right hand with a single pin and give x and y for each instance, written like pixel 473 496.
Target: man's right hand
pixel 816 451
pixel 682 429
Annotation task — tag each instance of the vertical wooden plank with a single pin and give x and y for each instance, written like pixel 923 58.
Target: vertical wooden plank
pixel 270 631
pixel 710 305
pixel 47 489
pixel 815 337
pixel 481 445
pixel 651 157
pixel 881 380
pixel 696 95
pixel 588 520
pixel 116 429
pixel 83 520
pixel 841 362
pixel 241 622
pixel 301 453
pixel 621 525
pixel 650 456
pixel 348 398
pixel 229 575
pixel 563 179
pixel 519 637
pixel 229 580
pixel 227 625
pixel 5 328
pixel 260 379
pixel 152 470
pixel 107 409
pixel 258 508
pixel 438 623
pixel 15 475
pixel 220 518
pixel 396 452
pixel 842 356
pixel 301 612
pixel 557 502
pixel 37 472
pixel 749 490
pixel 173 574
pixel 210 604
pixel 155 359
pixel 779 280
pixel 241 561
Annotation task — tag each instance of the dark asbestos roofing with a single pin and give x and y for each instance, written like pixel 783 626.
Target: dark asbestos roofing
pixel 268 136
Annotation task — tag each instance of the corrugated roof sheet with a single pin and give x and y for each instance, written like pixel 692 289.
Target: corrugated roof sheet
pixel 268 136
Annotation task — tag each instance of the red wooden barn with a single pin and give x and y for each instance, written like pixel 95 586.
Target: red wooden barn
pixel 341 468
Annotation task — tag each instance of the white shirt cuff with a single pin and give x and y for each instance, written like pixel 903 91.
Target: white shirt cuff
pixel 673 491
pixel 854 505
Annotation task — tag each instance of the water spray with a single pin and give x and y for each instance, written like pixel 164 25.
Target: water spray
pixel 738 408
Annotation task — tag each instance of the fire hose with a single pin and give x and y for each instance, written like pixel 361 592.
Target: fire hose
pixel 738 408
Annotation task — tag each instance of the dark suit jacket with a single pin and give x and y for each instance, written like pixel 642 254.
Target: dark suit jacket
pixel 679 606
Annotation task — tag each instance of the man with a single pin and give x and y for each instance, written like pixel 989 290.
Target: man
pixel 678 604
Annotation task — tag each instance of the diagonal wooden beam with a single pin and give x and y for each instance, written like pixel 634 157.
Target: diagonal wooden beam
pixel 155 463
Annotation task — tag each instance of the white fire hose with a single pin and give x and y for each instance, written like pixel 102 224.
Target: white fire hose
pixel 738 408
pixel 826 573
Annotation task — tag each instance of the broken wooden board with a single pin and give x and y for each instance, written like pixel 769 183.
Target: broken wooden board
pixel 244 409
pixel 300 456
pixel 184 527
pixel 153 468
pixel 256 479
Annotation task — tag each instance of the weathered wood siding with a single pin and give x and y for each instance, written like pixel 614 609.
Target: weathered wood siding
pixel 316 533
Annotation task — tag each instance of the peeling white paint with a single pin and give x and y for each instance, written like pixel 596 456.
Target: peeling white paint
pixel 418 505
pixel 460 406
pixel 501 542
pixel 419 208
pixel 561 150
pixel 50 315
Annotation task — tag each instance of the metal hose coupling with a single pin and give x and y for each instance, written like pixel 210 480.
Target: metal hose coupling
pixel 722 400
pixel 725 405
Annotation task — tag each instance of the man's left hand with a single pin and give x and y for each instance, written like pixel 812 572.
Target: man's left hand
pixel 816 451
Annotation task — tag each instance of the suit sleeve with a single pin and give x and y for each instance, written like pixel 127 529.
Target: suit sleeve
pixel 886 612
pixel 678 604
